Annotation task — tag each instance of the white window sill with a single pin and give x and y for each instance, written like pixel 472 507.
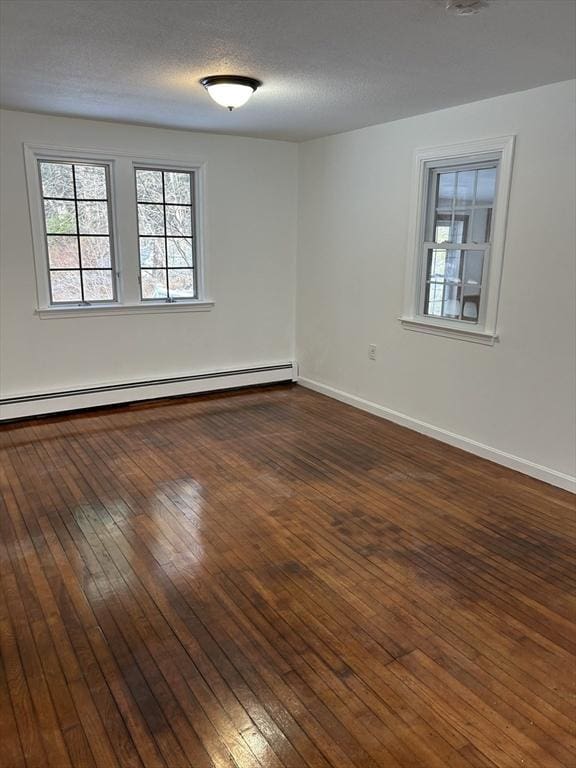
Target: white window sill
pixel 455 331
pixel 143 308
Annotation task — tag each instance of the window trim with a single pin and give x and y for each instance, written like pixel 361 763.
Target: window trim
pixel 123 222
pixel 486 330
pixel 149 307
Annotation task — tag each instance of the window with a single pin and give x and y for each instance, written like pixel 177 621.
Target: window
pixel 75 203
pixel 115 233
pixel 453 276
pixel 459 225
pixel 165 228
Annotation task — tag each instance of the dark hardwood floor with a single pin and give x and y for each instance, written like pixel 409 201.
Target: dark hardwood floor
pixel 273 579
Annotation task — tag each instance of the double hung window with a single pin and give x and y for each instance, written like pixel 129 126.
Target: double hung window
pixel 457 239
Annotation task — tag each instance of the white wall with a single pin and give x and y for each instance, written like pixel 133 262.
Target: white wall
pixel 517 397
pixel 251 238
pixel 354 196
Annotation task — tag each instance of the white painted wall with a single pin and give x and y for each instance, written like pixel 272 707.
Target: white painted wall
pixel 517 397
pixel 251 250
pixel 352 219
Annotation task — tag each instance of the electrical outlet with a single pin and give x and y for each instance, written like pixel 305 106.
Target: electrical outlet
pixel 372 351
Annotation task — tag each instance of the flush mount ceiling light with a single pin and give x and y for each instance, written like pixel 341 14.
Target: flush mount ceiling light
pixel 465 7
pixel 230 91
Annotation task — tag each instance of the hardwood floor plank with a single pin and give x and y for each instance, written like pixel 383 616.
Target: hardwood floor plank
pixel 24 715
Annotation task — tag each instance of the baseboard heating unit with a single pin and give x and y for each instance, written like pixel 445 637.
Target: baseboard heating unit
pixel 22 406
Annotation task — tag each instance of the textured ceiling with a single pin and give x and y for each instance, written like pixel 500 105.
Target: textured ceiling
pixel 327 65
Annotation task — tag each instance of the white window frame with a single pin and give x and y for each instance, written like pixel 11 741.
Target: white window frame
pixel 124 226
pixel 485 331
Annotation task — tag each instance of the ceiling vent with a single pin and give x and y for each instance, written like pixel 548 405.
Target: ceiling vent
pixel 465 7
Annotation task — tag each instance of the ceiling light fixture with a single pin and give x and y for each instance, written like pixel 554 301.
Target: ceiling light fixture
pixel 465 7
pixel 230 91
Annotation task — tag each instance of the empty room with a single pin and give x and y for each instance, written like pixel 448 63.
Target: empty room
pixel 287 384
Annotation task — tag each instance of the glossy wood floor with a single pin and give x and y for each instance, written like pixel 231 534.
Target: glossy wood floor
pixel 273 579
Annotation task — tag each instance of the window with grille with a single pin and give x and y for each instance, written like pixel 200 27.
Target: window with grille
pixel 115 233
pixel 77 228
pixel 457 236
pixel 165 200
pixel 457 239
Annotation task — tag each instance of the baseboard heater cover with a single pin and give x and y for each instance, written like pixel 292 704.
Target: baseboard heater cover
pixel 23 406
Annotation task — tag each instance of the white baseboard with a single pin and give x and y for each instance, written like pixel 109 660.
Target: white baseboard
pixel 43 403
pixel 552 476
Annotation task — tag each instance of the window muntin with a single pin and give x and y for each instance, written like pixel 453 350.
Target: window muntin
pixel 457 238
pixel 77 229
pixel 166 234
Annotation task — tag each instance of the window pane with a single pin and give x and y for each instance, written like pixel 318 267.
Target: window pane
pixel 436 264
pixel 65 286
pixel 481 225
pixel 446 189
pixel 151 219
pixel 177 187
pixel 153 284
pixel 452 305
pixel 57 179
pixel 434 300
pixel 180 252
pixel 471 308
pixel 443 300
pixel 95 251
pixel 473 270
pixel 152 252
pixel 178 220
pixel 465 187
pixel 181 283
pixel 93 218
pixel 444 265
pixel 461 226
pixel 149 186
pixel 452 228
pixel 97 285
pixel 443 228
pixel 60 217
pixel 91 182
pixel 471 290
pixel 63 251
pixel 486 186
pixel 453 265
